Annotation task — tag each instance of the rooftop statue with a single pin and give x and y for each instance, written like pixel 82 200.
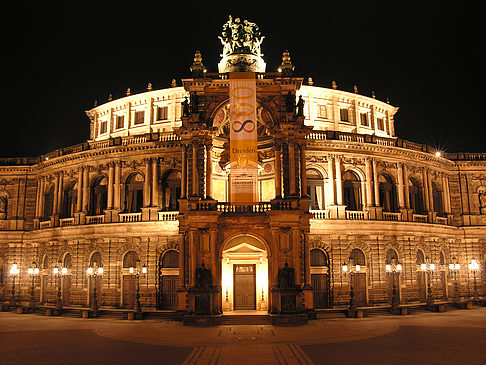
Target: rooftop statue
pixel 241 37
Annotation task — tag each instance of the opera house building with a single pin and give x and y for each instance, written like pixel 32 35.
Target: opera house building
pixel 242 190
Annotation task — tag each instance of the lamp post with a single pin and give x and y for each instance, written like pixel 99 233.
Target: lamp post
pixel 59 271
pixel 474 267
pixel 394 269
pixel 428 267
pixel 94 272
pixel 454 268
pixel 33 271
pixel 14 271
pixel 137 271
pixel 351 269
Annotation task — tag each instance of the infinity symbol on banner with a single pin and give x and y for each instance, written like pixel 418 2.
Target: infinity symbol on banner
pixel 248 126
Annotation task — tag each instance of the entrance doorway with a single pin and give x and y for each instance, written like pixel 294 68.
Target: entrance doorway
pixel 244 274
pixel 244 287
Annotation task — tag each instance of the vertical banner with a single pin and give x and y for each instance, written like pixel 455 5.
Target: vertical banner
pixel 243 138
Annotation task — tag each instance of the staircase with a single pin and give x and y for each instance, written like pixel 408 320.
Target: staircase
pixel 246 319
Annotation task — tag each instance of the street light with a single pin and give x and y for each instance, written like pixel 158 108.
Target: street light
pixel 94 272
pixel 428 267
pixel 474 267
pixel 33 271
pixel 454 268
pixel 394 269
pixel 14 271
pixel 59 271
pixel 137 271
pixel 351 269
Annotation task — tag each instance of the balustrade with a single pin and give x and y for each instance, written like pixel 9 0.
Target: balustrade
pixel 130 217
pixel 392 216
pixel 320 214
pixel 95 219
pixel 420 218
pixel 63 222
pixel 168 216
pixel 356 215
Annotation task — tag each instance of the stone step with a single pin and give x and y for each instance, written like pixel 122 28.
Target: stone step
pixel 246 319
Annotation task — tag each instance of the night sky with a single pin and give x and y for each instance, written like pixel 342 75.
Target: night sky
pixel 424 57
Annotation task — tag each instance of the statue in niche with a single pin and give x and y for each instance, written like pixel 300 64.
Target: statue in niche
pixel 482 201
pixel 300 107
pixel 290 103
pixel 194 103
pixel 3 207
pixel 204 279
pixel 286 278
pixel 185 107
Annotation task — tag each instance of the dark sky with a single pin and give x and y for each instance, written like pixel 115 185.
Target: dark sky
pixel 423 55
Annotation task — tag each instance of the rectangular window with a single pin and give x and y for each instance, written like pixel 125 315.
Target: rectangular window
pixel 103 127
pixel 380 124
pixel 162 113
pixel 363 117
pixel 120 121
pixel 322 111
pixel 139 117
pixel 344 114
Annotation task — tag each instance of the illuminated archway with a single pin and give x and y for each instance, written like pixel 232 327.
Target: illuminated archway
pixel 244 274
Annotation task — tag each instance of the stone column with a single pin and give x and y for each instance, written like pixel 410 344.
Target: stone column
pixel 376 183
pixel 446 194
pixel 209 171
pixel 369 186
pixel 194 169
pixel 401 190
pixel 37 198
pixel 278 172
pixel 155 182
pixel 405 186
pixel 56 195
pixel 79 196
pixel 330 176
pixel 109 203
pixel 425 183
pixel 184 172
pixel 146 183
pixel 60 192
pixel 292 187
pixel 303 171
pixel 85 189
pixel 116 187
pixel 339 182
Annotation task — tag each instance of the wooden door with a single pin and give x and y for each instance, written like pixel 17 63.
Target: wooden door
pixel 320 287
pixel 443 283
pixel 360 289
pixel 66 290
pixel 422 287
pixel 129 291
pixel 168 297
pixel 96 282
pixel 244 287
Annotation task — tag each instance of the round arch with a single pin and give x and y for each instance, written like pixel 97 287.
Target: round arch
pixel 244 273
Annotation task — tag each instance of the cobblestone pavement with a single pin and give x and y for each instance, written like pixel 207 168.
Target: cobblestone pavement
pixel 455 337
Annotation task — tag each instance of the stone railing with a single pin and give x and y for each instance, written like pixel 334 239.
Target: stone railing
pixel 45 224
pixel 320 214
pixel 356 215
pixel 95 219
pixel 441 220
pixel 130 217
pixel 259 207
pixel 168 216
pixel 63 222
pixel 392 216
pixel 420 218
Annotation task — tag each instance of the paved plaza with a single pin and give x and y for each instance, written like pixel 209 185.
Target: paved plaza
pixel 454 337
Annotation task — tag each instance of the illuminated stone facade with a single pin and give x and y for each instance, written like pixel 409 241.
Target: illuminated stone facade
pixel 151 184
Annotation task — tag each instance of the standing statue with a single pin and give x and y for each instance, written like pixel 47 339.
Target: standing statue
pixel 286 277
pixel 185 107
pixel 300 107
pixel 482 202
pixel 290 103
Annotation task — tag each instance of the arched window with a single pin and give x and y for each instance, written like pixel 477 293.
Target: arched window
pixel 170 259
pixel 130 259
pixel 315 189
pixel 415 194
pixel 134 193
pixel 45 262
pixel 351 191
pixel 70 197
pixel 437 199
pixel 442 258
pixel 99 194
pixel 95 260
pixel 171 190
pixel 357 256
pixel 388 193
pixel 48 202
pixel 318 258
pixel 67 262
pixel 420 257
pixel 391 257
